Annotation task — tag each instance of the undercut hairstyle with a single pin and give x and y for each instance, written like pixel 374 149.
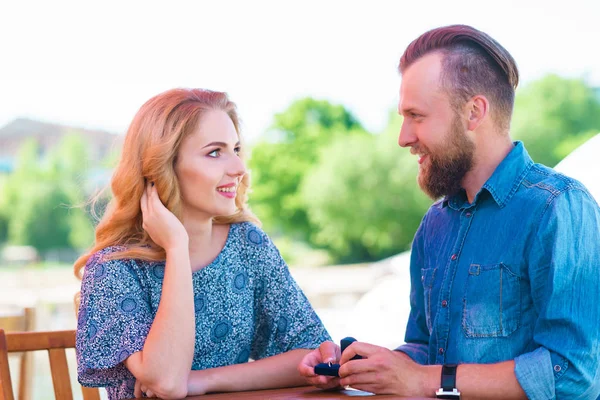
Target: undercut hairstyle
pixel 472 64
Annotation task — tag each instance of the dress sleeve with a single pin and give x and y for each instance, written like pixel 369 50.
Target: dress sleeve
pixel 284 318
pixel 113 321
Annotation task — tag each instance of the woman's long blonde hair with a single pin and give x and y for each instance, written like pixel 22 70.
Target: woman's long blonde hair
pixel 148 155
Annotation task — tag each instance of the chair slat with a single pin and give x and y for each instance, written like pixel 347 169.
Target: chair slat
pixel 6 391
pixel 60 374
pixel 90 393
pixel 55 342
pixel 26 369
pixel 30 341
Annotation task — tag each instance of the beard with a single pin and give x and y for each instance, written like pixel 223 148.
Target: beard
pixel 447 165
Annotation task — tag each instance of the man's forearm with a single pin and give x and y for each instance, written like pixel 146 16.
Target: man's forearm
pixel 479 381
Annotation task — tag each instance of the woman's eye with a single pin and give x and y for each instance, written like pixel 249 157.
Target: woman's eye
pixel 214 153
pixel 237 150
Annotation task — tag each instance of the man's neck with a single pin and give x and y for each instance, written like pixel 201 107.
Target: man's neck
pixel 489 154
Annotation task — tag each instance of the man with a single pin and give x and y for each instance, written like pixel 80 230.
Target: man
pixel 505 268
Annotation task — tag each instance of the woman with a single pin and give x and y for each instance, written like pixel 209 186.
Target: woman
pixel 181 287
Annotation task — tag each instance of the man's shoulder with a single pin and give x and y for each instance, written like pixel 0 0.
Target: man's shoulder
pixel 545 180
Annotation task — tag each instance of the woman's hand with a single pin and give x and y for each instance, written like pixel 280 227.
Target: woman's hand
pixel 140 390
pixel 161 224
pixel 327 352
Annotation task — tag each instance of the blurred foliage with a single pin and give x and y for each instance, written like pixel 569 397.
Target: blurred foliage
pixel 40 198
pixel 553 116
pixel 282 159
pixel 363 196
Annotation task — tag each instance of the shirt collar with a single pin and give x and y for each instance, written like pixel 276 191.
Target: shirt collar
pixel 504 182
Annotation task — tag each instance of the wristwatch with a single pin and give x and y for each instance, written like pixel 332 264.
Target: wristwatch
pixel 448 389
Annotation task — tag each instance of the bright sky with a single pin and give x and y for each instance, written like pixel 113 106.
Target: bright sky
pixel 93 64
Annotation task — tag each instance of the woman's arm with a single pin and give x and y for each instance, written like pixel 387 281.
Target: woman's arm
pixel 170 341
pixel 268 373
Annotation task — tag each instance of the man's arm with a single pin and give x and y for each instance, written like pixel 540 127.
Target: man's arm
pixel 564 272
pixel 383 371
pixel 417 333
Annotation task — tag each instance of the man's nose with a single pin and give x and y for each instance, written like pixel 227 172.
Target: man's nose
pixel 406 136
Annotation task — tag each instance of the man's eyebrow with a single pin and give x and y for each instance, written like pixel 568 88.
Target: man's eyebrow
pixel 220 144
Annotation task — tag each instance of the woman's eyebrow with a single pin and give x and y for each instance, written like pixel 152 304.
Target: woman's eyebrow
pixel 220 144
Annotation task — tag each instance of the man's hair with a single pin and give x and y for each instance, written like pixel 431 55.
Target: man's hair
pixel 473 63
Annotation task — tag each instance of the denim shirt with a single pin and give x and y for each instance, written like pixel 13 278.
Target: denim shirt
pixel 514 275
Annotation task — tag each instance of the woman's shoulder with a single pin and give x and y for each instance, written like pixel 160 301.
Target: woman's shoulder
pixel 250 234
pixel 108 259
pixel 107 255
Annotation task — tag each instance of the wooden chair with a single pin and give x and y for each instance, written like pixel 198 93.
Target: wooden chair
pixel 55 343
pixel 23 320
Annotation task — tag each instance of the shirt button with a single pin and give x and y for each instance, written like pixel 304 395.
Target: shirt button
pixel 453 257
pixel 444 303
pixel 468 215
pixel 441 350
pixel 557 368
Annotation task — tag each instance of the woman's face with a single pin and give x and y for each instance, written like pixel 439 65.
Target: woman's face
pixel 209 168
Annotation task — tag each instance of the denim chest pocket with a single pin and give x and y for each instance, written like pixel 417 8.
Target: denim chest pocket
pixel 492 301
pixel 427 278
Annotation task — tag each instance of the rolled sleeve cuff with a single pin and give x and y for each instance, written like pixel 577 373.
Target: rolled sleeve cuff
pixel 418 352
pixel 535 375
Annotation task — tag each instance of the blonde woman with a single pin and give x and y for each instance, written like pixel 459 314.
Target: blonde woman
pixel 181 287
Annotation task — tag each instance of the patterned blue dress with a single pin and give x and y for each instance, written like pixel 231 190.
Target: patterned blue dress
pixel 247 306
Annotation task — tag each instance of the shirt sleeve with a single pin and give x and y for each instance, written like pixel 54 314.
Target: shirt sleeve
pixel 113 321
pixel 417 334
pixel 284 318
pixel 564 270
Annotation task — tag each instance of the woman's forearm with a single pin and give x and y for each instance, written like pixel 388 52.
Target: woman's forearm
pixel 170 341
pixel 269 373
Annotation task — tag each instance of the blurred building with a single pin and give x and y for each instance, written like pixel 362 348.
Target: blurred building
pixel 47 135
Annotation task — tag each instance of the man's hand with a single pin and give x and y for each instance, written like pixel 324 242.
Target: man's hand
pixel 327 352
pixel 381 371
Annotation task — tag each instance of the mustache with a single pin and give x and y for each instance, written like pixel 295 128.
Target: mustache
pixel 419 150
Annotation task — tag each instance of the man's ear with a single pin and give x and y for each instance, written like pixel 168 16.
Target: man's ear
pixel 477 109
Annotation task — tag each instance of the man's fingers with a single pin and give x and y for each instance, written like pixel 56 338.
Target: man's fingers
pixel 357 367
pixel 359 348
pixel 359 381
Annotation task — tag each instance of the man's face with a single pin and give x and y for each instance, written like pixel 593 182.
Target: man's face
pixel 433 129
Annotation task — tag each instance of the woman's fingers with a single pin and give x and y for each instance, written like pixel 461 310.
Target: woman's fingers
pixel 137 391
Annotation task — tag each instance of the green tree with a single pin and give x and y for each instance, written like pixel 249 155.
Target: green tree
pixel 364 198
pixel 40 195
pixel 42 218
pixel 289 150
pixel 553 115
